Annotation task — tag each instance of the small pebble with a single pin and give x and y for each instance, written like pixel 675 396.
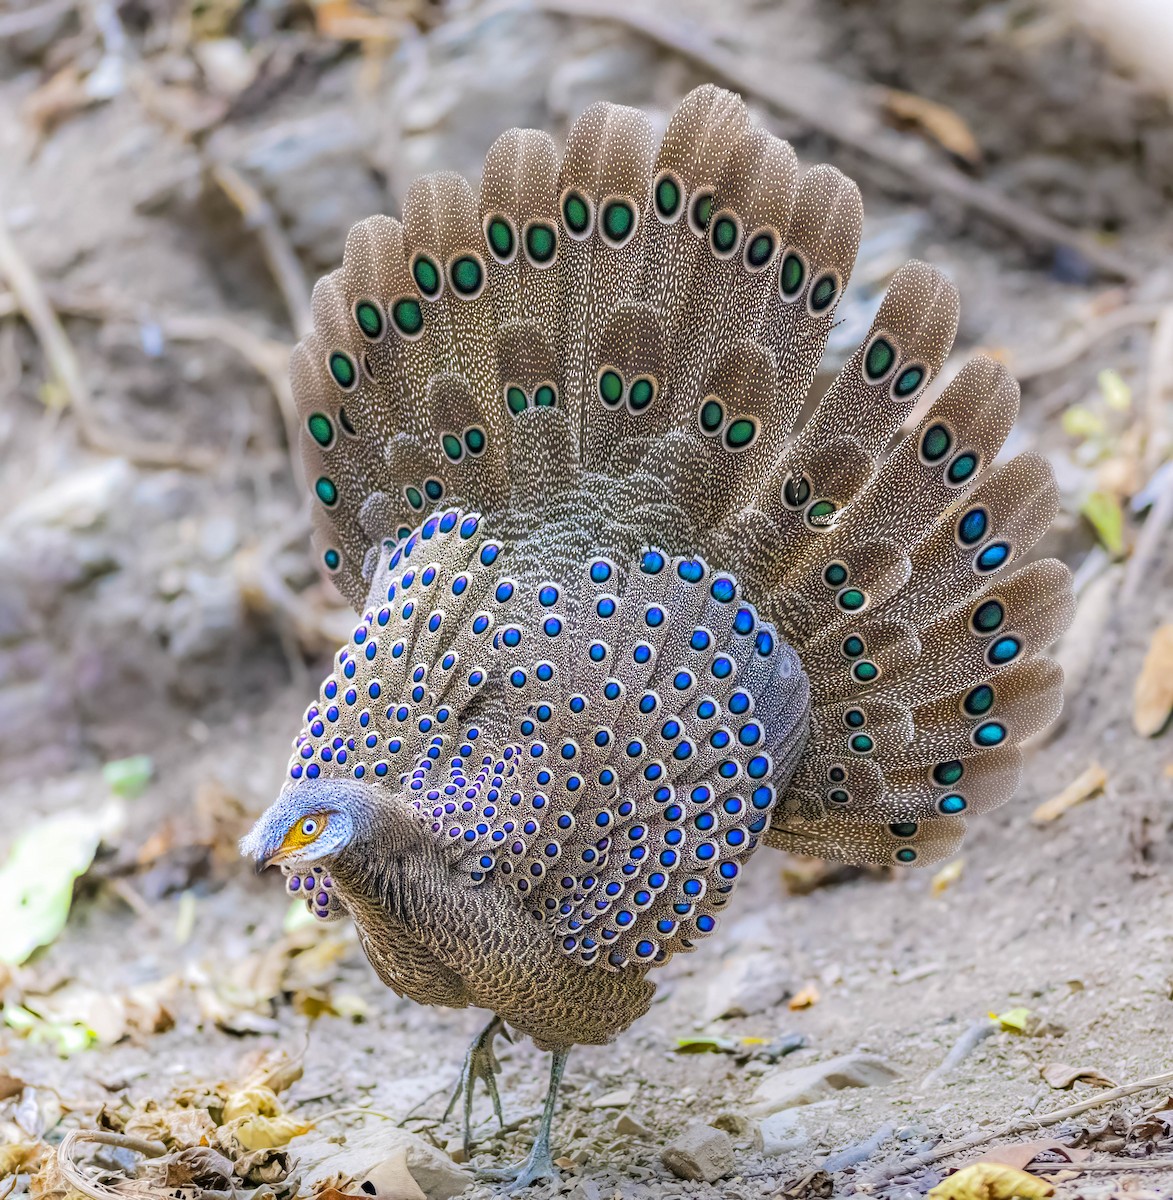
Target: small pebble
pixel 700 1153
pixel 631 1126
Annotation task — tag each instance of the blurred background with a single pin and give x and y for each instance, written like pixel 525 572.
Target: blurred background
pixel 175 174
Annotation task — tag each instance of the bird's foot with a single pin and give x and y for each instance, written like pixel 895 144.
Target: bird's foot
pixel 538 1166
pixel 479 1063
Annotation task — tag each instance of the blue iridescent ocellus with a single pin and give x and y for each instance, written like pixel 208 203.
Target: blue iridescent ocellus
pixel 623 617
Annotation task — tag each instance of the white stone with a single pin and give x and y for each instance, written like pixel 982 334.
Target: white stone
pixel 807 1085
pixel 700 1153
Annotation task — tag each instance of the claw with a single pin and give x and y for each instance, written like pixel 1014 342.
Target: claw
pixel 479 1063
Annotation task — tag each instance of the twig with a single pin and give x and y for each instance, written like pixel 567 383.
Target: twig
pixel 1118 1164
pixel 825 103
pixel 258 214
pixel 961 1049
pixel 59 352
pixel 860 1152
pixel 126 893
pixel 1027 1125
pixel 1149 542
pixel 68 1167
pixel 1082 340
pixel 12 24
pixel 1160 388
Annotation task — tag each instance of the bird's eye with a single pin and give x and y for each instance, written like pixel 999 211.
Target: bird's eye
pixel 309 827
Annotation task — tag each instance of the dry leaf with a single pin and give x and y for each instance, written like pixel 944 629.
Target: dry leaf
pixel 392 1180
pixel 20 1157
pixel 941 123
pixel 266 1133
pixel 1087 785
pixel 1063 1075
pixel 10 1086
pixel 947 876
pixel 1152 697
pixel 805 997
pixel 202 1166
pixel 1021 1154
pixel 256 1101
pixel 991 1181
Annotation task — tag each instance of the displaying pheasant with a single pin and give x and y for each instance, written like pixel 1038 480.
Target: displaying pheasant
pixel 624 616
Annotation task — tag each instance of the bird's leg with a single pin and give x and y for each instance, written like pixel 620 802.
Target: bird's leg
pixel 539 1164
pixel 479 1063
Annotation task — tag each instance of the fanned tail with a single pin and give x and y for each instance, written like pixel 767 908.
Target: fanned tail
pixel 604 355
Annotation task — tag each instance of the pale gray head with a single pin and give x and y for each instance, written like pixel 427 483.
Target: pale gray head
pixel 311 821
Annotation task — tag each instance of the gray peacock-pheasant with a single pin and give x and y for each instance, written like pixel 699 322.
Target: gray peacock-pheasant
pixel 621 621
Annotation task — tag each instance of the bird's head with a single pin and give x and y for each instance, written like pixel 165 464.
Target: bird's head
pixel 313 820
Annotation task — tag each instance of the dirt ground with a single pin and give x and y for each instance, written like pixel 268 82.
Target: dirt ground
pixel 172 610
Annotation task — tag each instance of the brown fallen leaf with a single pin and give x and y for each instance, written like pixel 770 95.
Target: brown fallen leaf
pixel 10 1086
pixel 1076 792
pixel 805 997
pixel 1020 1155
pixel 1152 697
pixel 938 121
pixel 202 1166
pixel 1063 1075
pixel 991 1181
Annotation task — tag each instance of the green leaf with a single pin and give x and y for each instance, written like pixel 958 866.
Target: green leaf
pixel 1103 511
pixel 705 1045
pixel 37 880
pixel 128 777
pixel 1081 422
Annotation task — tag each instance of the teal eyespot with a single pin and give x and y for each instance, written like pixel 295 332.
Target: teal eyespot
pixel 474 439
pixel 987 617
pixel 823 293
pixel 835 574
pixel 467 276
pixel 426 273
pixel 618 222
pixel 760 250
pixel 962 467
pixel 979 701
pixel 854 718
pixel 515 399
pixel 946 774
pixel 343 370
pixel 434 488
pixel 320 429
pixel 725 236
pixel 861 744
pixel 668 194
pixel 641 393
pixel 711 416
pixel 332 559
pixel 908 381
pixel 992 557
pixel 576 213
pixel 935 443
pixel 610 387
pixel 413 497
pixel 741 434
pixel 369 318
pixel 989 734
pixel 408 316
pixel 903 829
pixel 838 796
pixel 972 526
pixel 791 276
pixel 700 210
pixel 820 512
pixel 1003 651
pixel 500 237
pixel 865 671
pixel 906 854
pixel 326 491
pixel 541 243
pixel 878 360
pixel 853 646
pixel 949 805
pixel 851 599
pixel 545 396
pixel 796 492
pixel 452 446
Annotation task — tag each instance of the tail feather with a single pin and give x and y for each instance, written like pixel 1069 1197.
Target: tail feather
pixel 605 354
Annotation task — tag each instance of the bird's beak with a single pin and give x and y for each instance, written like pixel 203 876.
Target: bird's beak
pixel 254 846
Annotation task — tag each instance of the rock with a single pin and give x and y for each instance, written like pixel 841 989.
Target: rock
pixel 617 1099
pixel 783 1131
pixel 583 1189
pixel 746 984
pixel 392 1179
pixel 631 1126
pixel 700 1153
pixel 807 1085
pixel 371 1151
pixel 742 1129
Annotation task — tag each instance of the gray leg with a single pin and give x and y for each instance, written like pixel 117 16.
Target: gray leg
pixel 539 1164
pixel 479 1063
